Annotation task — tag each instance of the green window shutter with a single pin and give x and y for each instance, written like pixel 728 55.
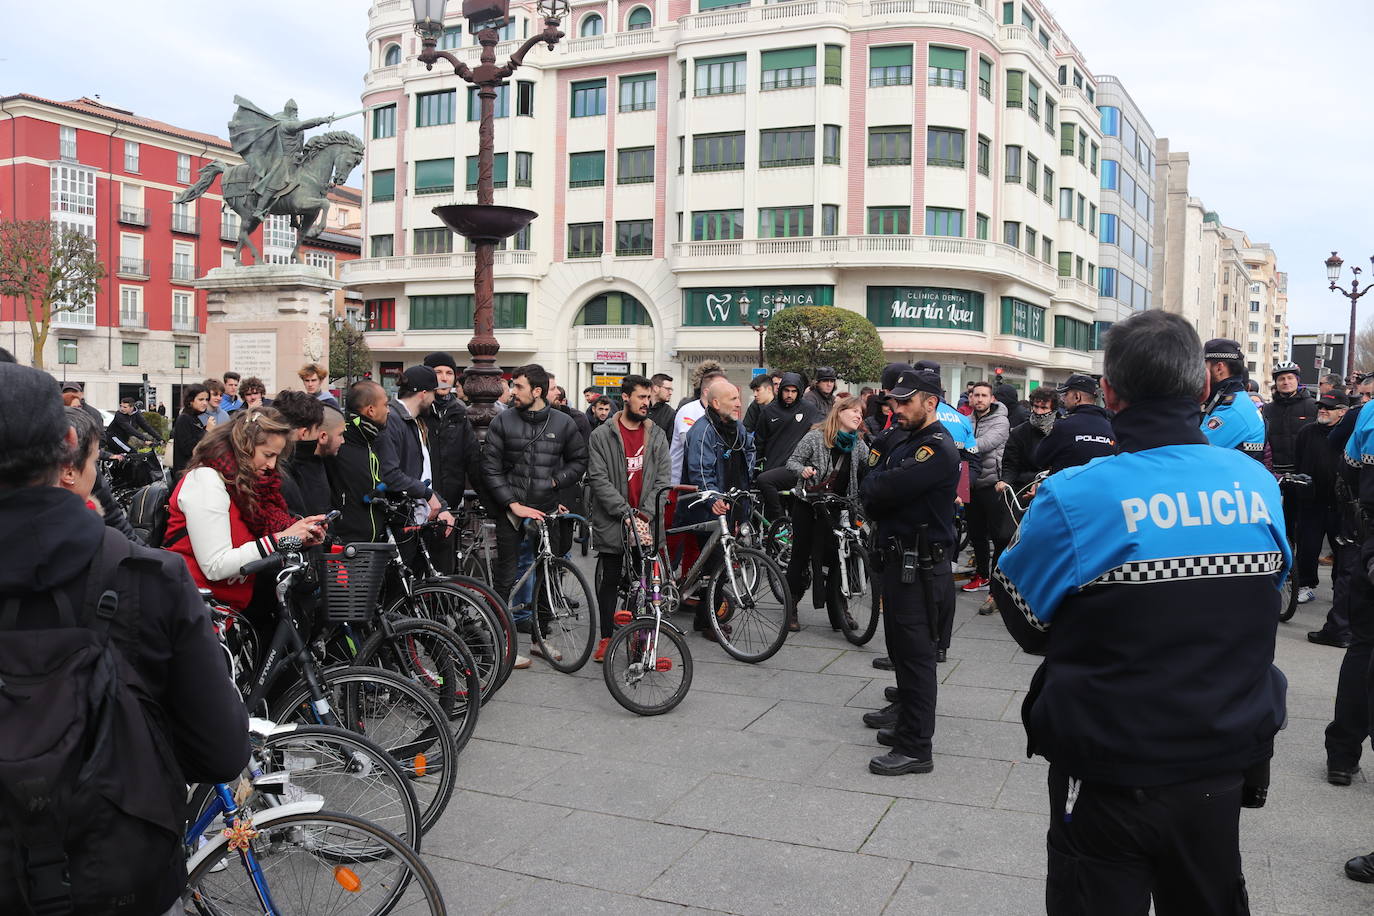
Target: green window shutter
pixel 833 66
pixel 588 167
pixel 948 58
pixel 384 184
pixel 893 56
pixel 1065 263
pixel 472 172
pixel 641 18
pixel 432 174
pixel 1014 88
pixel 508 310
pixel 985 69
pixel 789 57
pixel 499 169
pixel 727 59
pixel 716 4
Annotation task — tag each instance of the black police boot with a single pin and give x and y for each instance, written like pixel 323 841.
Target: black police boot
pixel 887 737
pixel 1360 868
pixel 882 718
pixel 883 663
pixel 890 694
pixel 939 655
pixel 894 764
pixel 1341 776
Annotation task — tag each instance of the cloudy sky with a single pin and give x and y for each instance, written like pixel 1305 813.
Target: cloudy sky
pixel 1268 96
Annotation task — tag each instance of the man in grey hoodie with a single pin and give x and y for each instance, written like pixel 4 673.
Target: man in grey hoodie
pixel 988 522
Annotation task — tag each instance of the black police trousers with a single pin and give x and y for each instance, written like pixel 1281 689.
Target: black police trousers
pixel 906 626
pixel 1179 844
pixel 1352 721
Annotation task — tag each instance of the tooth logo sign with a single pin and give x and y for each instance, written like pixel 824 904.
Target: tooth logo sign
pixel 718 307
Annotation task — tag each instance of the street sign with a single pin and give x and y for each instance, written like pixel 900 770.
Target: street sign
pixel 612 355
pixel 607 381
pixel 1319 363
pixel 611 368
pixel 757 370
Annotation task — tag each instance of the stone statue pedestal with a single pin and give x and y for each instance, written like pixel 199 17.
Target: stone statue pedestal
pixel 267 320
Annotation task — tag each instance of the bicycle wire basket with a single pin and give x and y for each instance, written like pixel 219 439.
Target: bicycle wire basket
pixel 353 581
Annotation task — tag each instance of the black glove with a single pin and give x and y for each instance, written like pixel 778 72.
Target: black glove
pixel 1254 791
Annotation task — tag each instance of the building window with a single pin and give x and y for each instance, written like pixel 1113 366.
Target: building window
pixel 830 219
pixel 1072 333
pixel 129 353
pixel 889 146
pixel 66 351
pixel 383 122
pixel 521 240
pixel 66 143
pixel 73 190
pixel 787 147
pixel 1067 132
pixel 524 170
pixel 584 240
pixel 592 25
pixel 834 69
pixel 1078 267
pixel 1082 146
pixel 434 176
pixel 718 152
pixel 946 67
pixel 1032 174
pixel 714 225
pixel 1107 231
pixel 1092 159
pixel 1106 282
pixel 524 99
pixel 830 154
pixel 1081 215
pixel 1051 107
pixel 433 241
pixel 785 222
pixel 183 262
pixel 945 146
pixel 1049 185
pixel 500 105
pixel 452 37
pixel 1008 14
pixel 588 98
pixel 277 233
pixel 1254 305
pixel 640 18
pixel 1011 234
pixel 1110 175
pixel 1092 219
pixel 941 221
pixel 380 314
pixel 634 237
pixel 889 220
pixel 789 68
pixel 1028 20
pixel 1033 100
pixel 720 75
pixel 183 311
pixel 183 168
pixel 1111 120
pixel 587 170
pixel 435 108
pixel 441 313
pixel 1066 203
pixel 984 154
pixel 321 259
pixel 613 308
pixel 392 56
pixel 1066 263
pixel 981 227
pixel 1014 78
pixel 638 92
pixel 383 185
pixel 131 307
pixel 131 156
pixel 634 166
pixel 1013 157
pixel 383 246
pixel 183 218
pixel 1021 319
pixel 1046 249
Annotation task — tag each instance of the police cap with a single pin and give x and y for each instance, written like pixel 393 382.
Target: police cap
pixel 914 380
pixel 1079 382
pixel 1220 348
pixel 891 372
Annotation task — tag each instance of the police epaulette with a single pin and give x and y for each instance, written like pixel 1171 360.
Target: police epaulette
pixel 1226 400
pixel 937 436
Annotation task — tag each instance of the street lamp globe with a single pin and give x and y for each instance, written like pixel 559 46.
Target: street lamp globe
pixel 744 308
pixel 552 9
pixel 429 17
pixel 1333 267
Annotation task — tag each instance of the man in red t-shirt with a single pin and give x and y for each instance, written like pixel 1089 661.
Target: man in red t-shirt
pixel 626 467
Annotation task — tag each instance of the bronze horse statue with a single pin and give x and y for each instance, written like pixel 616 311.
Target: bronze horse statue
pixel 326 161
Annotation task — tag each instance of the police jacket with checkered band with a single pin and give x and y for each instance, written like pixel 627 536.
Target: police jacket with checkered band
pixel 1150 580
pixel 1230 419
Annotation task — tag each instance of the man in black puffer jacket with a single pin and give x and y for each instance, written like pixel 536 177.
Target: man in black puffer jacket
pixel 781 425
pixel 454 451
pixel 531 462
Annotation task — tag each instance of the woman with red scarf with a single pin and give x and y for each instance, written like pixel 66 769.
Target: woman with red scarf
pixel 227 510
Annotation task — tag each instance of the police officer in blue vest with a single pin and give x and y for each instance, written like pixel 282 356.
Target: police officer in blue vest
pixel 1229 418
pixel 1082 434
pixel 1150 580
pixel 908 493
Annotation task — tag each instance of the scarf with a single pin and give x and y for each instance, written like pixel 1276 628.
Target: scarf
pixel 844 440
pixel 271 514
pixel 1044 423
pixel 727 429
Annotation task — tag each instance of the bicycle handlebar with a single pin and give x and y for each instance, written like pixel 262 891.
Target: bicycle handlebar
pixel 263 565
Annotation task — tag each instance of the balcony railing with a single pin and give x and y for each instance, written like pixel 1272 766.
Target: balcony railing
pixel 773 12
pixel 184 324
pixel 133 267
pixel 133 216
pixel 438 265
pixel 183 273
pixel 186 225
pixel 133 319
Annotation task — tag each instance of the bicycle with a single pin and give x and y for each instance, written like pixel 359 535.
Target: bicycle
pixel 850 583
pixel 318 862
pixel 563 626
pixel 747 596
pixel 648 664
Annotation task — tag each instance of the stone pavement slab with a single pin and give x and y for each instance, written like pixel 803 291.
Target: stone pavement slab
pixel 981 839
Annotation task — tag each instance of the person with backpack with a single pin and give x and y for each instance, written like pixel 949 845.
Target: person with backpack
pixel 116 690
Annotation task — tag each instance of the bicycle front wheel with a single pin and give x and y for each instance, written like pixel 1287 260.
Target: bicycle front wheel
pixel 858 609
pixel 433 656
pixel 749 603
pixel 322 864
pixel 648 667
pixel 567 618
pixel 464 612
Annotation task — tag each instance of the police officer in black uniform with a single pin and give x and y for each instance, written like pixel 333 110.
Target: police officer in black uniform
pixel 1082 434
pixel 909 494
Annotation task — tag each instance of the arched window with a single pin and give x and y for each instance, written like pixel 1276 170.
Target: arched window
pixel 613 308
pixel 391 57
pixel 591 25
pixel 640 18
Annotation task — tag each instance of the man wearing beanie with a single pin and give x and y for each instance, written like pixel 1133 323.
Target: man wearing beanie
pixel 453 448
pixel 1230 419
pixel 60 558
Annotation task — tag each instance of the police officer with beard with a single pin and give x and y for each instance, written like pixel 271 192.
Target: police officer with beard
pixel 908 493
pixel 1081 435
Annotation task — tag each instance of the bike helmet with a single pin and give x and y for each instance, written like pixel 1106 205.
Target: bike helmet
pixel 1286 366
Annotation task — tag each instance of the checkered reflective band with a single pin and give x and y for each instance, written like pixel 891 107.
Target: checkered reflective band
pixel 1230 356
pixel 1255 447
pixel 1222 565
pixel 1016 598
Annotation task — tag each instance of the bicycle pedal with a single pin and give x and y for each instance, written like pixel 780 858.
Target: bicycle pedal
pixel 622 617
pixel 663 664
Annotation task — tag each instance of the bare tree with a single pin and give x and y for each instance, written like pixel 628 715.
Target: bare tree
pixel 1364 348
pixel 51 269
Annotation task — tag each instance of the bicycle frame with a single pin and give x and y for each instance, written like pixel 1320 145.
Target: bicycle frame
pixel 543 554
pixel 846 534
pixel 721 536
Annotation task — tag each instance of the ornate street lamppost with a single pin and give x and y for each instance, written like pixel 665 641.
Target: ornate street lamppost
pixel 1333 273
pixel 484 223
pixel 759 329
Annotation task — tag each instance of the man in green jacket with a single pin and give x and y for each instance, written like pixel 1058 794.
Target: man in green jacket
pixel 626 466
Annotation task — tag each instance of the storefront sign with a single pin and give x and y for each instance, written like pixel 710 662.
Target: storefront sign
pixel 925 307
pixel 616 355
pixel 723 307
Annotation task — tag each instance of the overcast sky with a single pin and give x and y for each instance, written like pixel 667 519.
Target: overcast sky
pixel 1267 96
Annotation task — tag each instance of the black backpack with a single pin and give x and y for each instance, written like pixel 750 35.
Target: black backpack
pixel 148 512
pixel 91 795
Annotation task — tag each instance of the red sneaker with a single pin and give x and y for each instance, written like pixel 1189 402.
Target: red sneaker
pixel 599 655
pixel 976 584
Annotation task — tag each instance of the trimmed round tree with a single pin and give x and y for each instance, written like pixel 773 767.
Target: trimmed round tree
pixel 804 337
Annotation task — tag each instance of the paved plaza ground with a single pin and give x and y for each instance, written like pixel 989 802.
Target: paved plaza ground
pixel 754 795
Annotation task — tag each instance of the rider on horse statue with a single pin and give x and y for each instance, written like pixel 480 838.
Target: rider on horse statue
pixel 271 145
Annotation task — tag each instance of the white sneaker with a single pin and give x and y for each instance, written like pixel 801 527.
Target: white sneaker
pixel 521 662
pixel 1305 595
